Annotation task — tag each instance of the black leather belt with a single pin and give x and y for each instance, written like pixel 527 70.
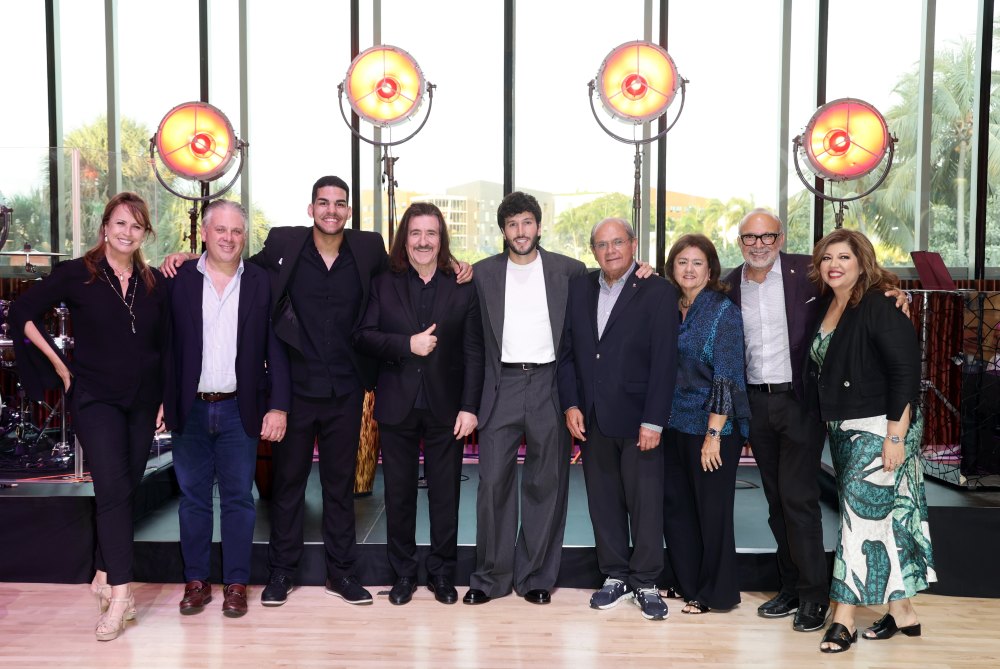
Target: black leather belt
pixel 215 397
pixel 525 366
pixel 770 387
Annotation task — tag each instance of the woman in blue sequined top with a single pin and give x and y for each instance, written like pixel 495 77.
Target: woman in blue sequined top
pixel 709 423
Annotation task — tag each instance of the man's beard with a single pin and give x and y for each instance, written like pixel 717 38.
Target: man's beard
pixel 532 247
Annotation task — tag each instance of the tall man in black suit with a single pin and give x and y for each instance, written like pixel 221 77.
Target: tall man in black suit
pixel 426 331
pixel 230 387
pixel 780 309
pixel 616 375
pixel 522 294
pixel 320 278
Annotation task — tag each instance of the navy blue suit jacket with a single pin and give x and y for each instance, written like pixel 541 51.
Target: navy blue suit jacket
pixel 626 377
pixel 262 376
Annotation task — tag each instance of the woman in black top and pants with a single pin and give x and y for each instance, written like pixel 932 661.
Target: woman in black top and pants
pixel 114 383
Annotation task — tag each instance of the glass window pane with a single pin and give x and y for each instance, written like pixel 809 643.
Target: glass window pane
pixel 722 155
pixel 887 215
pixel 24 131
pixel 456 160
pixel 579 174
pixel 299 52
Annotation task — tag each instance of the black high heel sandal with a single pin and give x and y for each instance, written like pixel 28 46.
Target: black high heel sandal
pixel 886 628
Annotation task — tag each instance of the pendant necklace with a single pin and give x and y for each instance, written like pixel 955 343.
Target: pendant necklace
pixel 128 305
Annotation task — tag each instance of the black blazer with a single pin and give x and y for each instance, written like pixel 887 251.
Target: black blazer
pixel 627 376
pixel 452 373
pixel 280 254
pixel 262 377
pixel 872 366
pixel 803 310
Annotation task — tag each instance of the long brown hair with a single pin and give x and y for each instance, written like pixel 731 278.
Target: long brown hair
pixel 398 260
pixel 872 277
pixel 705 245
pixel 137 207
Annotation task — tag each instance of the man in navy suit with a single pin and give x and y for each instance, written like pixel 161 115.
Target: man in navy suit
pixel 616 375
pixel 230 387
pixel 781 309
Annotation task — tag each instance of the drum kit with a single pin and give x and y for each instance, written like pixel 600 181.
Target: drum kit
pixel 25 445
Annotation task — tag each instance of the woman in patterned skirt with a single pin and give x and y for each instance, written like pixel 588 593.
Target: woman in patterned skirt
pixel 864 371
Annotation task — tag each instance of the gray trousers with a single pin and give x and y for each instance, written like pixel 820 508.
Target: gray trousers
pixel 527 558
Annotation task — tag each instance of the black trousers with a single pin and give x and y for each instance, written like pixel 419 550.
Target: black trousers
pixel 787 443
pixel 443 471
pixel 116 440
pixel 625 497
pixel 334 424
pixel 698 519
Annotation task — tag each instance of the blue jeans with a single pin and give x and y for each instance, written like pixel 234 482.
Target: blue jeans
pixel 214 446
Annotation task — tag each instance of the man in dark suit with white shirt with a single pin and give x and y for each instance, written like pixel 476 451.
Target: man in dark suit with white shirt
pixel 780 308
pixel 616 376
pixel 229 388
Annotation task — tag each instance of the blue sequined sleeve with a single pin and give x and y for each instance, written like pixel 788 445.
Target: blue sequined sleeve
pixel 728 394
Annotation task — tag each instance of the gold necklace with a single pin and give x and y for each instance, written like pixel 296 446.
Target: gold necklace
pixel 128 305
pixel 684 303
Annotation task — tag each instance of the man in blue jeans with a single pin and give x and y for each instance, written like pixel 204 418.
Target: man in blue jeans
pixel 228 388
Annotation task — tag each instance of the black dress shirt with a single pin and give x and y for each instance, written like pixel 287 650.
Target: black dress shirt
pixel 422 300
pixel 327 302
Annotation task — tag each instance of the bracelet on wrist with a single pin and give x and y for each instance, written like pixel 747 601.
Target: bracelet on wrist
pixel 894 438
pixel 713 433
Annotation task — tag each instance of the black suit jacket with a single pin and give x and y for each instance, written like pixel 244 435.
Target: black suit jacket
pixel 803 308
pixel 453 372
pixel 627 376
pixel 262 377
pixel 872 366
pixel 280 254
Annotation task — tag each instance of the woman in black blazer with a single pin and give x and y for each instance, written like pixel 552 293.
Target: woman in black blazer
pixel 114 383
pixel 864 371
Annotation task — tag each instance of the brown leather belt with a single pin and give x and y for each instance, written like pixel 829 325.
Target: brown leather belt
pixel 215 397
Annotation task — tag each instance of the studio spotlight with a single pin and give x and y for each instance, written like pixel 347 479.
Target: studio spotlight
pixel 196 142
pixel 844 140
pixel 637 83
pixel 385 86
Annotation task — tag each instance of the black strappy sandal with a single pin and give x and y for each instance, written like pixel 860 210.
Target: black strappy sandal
pixel 839 636
pixel 698 606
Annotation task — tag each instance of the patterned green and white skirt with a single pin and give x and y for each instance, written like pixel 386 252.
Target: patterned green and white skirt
pixel 884 548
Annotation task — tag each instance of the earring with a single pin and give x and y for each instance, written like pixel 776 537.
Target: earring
pixel 105 239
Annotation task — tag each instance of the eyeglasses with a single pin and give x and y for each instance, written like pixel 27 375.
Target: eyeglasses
pixel 604 246
pixel 767 239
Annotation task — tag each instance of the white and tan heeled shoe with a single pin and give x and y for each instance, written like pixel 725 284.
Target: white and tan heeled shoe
pixel 109 625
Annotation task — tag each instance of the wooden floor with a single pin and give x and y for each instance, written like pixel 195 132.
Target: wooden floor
pixel 47 626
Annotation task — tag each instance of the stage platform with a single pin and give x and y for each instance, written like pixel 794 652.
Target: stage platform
pixel 46 534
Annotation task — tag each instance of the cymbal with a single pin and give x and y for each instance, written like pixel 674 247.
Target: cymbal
pixel 32 252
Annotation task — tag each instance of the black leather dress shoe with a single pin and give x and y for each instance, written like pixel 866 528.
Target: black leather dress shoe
pixel 539 596
pixel 474 597
pixel 810 617
pixel 443 590
pixel 781 605
pixel 402 591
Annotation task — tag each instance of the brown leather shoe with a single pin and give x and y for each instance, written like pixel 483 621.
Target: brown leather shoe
pixel 235 603
pixel 196 595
